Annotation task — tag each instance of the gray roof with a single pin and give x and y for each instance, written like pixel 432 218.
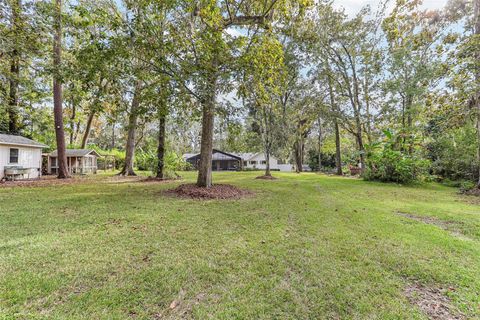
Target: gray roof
pixel 188 155
pixel 20 141
pixel 247 156
pixel 76 153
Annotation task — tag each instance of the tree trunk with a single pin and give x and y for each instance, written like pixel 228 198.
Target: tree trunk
pixel 72 122
pixel 57 94
pixel 206 146
pixel 361 149
pixel 208 117
pixel 14 73
pixel 132 124
pixel 91 115
pixel 477 78
pixel 338 150
pixel 113 136
pixel 298 156
pixel 161 146
pixel 320 144
pixel 267 166
pixel 359 138
pixel 409 131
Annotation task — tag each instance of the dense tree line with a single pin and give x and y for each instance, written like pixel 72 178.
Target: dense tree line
pixel 393 90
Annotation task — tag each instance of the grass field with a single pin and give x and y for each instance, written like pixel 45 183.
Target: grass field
pixel 305 247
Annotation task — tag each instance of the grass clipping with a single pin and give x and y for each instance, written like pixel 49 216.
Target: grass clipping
pixel 215 192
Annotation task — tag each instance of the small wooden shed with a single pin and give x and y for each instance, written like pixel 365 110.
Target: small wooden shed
pixel 79 161
pixel 20 157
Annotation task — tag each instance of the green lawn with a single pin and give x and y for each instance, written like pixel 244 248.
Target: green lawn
pixel 305 247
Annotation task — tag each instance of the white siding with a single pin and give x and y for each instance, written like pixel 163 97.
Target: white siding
pixel 259 157
pixel 28 157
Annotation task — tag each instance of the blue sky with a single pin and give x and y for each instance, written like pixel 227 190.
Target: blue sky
pixel 353 6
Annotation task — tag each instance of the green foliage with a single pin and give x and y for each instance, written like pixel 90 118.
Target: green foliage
pixel 148 161
pixel 328 160
pixel 452 153
pixel 387 162
pixel 118 155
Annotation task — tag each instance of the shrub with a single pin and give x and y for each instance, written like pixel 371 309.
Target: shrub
pixel 147 161
pixel 117 154
pixel 386 163
pixel 328 160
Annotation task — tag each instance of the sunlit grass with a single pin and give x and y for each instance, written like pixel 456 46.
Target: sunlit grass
pixel 305 247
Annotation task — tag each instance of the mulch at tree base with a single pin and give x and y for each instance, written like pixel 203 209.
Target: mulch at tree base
pixel 215 192
pixel 266 178
pixel 433 301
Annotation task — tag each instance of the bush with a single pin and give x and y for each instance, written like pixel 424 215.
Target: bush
pixel 118 155
pixel 148 161
pixel 328 160
pixel 386 163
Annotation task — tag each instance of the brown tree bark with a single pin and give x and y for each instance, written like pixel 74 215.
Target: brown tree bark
pixel 161 146
pixel 320 144
pixel 88 128
pixel 208 117
pixel 206 146
pixel 298 155
pixel 127 169
pixel 477 78
pixel 57 94
pixel 112 146
pixel 268 173
pixel 14 73
pixel 338 150
pixel 72 121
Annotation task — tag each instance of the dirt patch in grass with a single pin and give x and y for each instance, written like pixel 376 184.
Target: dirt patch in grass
pixel 44 181
pixel 182 307
pixel 266 178
pixel 433 301
pixel 160 180
pixel 450 226
pixel 472 192
pixel 217 191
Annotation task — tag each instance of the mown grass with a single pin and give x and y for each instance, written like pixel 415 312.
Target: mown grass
pixel 305 247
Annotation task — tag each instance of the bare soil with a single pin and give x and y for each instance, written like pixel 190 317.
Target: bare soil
pixel 433 301
pixel 473 192
pixel 217 191
pixel 428 220
pixel 42 182
pixel 159 180
pixel 266 177
pixel 450 226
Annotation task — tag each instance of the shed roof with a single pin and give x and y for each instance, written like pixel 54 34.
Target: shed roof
pixel 247 156
pixel 11 139
pixel 76 153
pixel 216 155
pixel 189 155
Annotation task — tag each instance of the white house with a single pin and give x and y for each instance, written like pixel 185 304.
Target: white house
pixel 20 157
pixel 229 161
pixel 259 161
pixel 79 161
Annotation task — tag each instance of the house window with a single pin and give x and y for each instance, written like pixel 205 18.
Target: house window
pixel 253 162
pixel 263 162
pixel 13 155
